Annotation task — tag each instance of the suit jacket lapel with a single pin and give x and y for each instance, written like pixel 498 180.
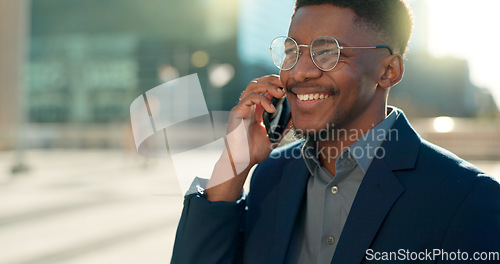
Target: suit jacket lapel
pixel 377 193
pixel 292 189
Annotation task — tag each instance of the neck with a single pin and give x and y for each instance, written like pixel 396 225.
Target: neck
pixel 330 150
pixel 331 146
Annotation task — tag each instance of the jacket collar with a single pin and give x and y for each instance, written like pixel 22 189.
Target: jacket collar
pixel 402 145
pixel 293 185
pixel 377 193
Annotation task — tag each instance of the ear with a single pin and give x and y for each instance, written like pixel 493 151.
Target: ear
pixel 392 72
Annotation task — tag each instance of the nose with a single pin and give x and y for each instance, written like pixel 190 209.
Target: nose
pixel 305 69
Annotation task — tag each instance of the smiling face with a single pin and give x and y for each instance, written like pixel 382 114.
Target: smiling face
pixel 347 97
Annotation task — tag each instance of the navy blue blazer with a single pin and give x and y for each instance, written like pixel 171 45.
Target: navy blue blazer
pixel 415 199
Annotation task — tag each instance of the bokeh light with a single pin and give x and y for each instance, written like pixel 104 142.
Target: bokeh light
pixel 443 124
pixel 200 58
pixel 220 74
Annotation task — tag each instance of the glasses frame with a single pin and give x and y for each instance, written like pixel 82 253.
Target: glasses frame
pixel 340 48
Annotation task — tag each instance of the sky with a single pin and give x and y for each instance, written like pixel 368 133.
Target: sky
pixel 469 30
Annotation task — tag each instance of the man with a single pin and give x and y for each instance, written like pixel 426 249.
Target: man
pixel 363 185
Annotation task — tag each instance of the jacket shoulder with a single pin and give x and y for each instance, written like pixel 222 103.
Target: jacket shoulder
pixel 285 153
pixel 278 159
pixel 446 162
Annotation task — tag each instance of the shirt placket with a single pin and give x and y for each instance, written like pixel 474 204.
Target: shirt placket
pixel 333 206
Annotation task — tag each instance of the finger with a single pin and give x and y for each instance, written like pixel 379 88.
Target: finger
pixel 264 88
pixel 246 106
pixel 258 114
pixel 263 85
pixel 255 99
pixel 278 93
pixel 272 78
pixel 259 87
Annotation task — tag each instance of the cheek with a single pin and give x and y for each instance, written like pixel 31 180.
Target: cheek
pixel 354 78
pixel 284 77
pixel 346 81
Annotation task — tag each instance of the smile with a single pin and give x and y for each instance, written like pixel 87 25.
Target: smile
pixel 313 96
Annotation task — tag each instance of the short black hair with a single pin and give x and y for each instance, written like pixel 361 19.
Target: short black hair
pixel 392 18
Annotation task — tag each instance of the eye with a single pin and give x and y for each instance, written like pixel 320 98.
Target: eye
pixel 290 51
pixel 324 52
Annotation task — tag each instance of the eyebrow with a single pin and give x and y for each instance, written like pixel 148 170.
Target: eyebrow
pixel 332 41
pixel 294 39
pixel 341 43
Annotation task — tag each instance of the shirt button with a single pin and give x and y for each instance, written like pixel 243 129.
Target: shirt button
pixel 330 240
pixel 335 189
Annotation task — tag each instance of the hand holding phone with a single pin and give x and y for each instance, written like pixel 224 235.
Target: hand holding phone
pixel 246 115
pixel 276 122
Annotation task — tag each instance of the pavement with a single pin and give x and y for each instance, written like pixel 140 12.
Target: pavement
pixel 93 207
pixel 77 207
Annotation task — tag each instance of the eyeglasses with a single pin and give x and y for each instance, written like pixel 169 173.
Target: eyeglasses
pixel 325 52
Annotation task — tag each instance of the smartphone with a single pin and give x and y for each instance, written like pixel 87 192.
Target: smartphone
pixel 276 122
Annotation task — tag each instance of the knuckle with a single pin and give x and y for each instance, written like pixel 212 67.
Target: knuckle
pixel 248 97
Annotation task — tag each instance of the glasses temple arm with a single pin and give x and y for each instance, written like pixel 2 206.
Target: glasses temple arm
pixel 373 47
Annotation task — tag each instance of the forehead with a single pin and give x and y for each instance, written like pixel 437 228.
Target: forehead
pixel 316 20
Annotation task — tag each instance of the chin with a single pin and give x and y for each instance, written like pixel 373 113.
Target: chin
pixel 315 135
pixel 314 130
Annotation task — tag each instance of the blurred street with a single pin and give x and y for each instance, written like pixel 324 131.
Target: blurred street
pixel 78 207
pixel 93 206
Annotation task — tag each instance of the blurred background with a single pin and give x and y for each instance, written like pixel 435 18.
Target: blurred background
pixel 73 188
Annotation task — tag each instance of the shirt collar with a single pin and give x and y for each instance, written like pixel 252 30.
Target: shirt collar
pixel 309 153
pixel 361 151
pixel 365 148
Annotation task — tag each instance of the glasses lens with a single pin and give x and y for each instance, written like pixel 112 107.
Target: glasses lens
pixel 284 52
pixel 325 52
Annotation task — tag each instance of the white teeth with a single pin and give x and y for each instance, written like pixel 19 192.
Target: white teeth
pixel 307 97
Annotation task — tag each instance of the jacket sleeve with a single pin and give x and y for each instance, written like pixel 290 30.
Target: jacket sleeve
pixel 475 229
pixel 208 232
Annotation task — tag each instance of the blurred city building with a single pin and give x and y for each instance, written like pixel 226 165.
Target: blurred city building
pixel 259 22
pixel 89 68
pixel 440 87
pixel 14 38
pixel 88 60
pixel 437 86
